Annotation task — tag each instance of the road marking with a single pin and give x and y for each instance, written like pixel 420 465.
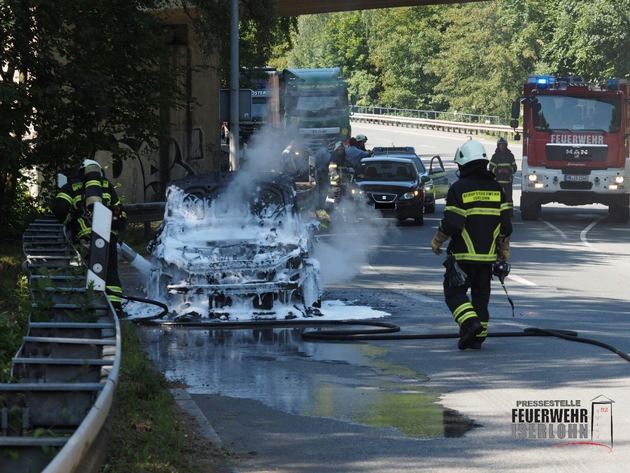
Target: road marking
pixel 556 229
pixel 521 280
pixel 586 230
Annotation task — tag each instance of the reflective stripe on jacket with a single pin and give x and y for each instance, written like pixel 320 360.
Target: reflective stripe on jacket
pixel 503 165
pixel 476 214
pixel 69 205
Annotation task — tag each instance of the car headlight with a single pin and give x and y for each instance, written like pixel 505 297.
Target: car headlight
pixel 410 195
pixel 357 193
pixel 532 177
pixel 618 179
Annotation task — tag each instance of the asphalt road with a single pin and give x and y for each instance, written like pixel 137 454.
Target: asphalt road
pixel 285 404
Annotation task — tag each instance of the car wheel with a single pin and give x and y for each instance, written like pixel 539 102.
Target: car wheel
pixel 429 209
pixel 419 220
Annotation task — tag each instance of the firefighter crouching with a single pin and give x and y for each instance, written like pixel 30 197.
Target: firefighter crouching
pixel 476 219
pixel 73 206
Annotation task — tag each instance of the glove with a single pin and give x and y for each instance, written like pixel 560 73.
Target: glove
pixel 439 238
pixel 119 221
pixel 503 248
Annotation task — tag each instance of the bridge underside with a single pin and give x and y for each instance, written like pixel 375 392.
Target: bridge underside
pixel 306 7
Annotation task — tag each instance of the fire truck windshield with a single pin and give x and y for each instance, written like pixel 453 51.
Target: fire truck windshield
pixel 576 113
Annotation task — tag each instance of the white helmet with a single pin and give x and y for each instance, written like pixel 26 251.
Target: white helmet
pixel 90 162
pixel 89 166
pixel 361 138
pixel 470 151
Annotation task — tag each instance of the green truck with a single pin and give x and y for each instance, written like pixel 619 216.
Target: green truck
pixel 310 106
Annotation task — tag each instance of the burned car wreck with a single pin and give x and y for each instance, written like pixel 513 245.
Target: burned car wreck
pixel 234 245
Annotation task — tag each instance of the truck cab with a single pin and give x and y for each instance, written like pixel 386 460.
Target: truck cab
pixel 575 148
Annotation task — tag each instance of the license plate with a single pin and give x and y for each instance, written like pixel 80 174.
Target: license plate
pixel 575 178
pixel 385 205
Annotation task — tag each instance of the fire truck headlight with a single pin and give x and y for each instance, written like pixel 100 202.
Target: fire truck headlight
pixel 619 179
pixel 532 177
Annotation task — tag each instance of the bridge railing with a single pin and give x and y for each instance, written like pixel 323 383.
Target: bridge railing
pixel 444 121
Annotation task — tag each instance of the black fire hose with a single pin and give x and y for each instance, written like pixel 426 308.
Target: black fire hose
pixel 381 330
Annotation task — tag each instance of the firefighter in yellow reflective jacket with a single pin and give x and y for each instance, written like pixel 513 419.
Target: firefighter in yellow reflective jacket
pixel 338 172
pixel 503 165
pixel 73 207
pixel 476 218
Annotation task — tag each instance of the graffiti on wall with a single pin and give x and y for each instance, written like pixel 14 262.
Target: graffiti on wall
pixel 140 177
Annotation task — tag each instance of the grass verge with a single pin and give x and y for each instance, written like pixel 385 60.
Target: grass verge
pixel 14 298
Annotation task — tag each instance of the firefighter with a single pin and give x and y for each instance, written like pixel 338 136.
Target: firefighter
pixel 338 172
pixel 503 165
pixel 476 219
pixel 322 161
pixel 361 140
pixel 73 206
pixel 355 154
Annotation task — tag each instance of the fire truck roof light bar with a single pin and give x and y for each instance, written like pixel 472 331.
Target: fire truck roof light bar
pixel 543 82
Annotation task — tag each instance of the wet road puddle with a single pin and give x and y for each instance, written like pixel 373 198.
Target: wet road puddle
pixel 350 382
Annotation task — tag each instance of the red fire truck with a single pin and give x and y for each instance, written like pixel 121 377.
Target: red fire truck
pixel 575 144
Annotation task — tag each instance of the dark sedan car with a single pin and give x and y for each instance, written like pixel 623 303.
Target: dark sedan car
pixel 437 186
pixel 391 186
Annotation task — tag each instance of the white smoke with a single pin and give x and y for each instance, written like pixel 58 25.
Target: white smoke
pixel 354 230
pixel 355 233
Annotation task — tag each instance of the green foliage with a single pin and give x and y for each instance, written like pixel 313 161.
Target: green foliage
pixel 591 39
pixel 74 75
pixel 261 31
pixel 14 298
pixel 470 57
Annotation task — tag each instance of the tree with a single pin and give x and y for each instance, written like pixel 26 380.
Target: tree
pixel 591 39
pixel 402 44
pixel 260 31
pixel 338 40
pixel 488 51
pixel 75 74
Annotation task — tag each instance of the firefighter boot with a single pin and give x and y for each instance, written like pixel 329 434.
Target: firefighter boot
pixel 468 333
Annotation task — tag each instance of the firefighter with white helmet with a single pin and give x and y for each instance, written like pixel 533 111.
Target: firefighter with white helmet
pixel 503 165
pixel 476 219
pixel 361 140
pixel 73 206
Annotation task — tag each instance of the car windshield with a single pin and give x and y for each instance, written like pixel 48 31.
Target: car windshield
pixel 386 171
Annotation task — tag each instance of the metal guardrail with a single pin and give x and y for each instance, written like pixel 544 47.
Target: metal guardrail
pixel 443 125
pixel 429 114
pixel 54 416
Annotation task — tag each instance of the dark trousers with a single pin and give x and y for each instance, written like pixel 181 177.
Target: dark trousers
pixel 112 279
pixel 478 279
pixel 507 188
